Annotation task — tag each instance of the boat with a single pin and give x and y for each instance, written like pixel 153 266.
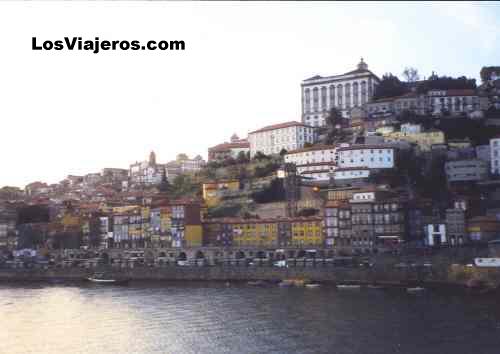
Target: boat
pixel 101 278
pixel 348 287
pixel 415 289
pixel 285 283
pixel 313 285
pixel 256 283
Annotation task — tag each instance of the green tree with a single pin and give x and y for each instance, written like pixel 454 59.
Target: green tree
pixel 334 123
pixel 410 74
pixel 389 86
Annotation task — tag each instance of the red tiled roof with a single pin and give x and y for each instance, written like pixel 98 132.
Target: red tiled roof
pixel 465 92
pixel 281 126
pixel 227 146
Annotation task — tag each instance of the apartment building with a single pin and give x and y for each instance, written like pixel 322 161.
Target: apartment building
pixel 274 138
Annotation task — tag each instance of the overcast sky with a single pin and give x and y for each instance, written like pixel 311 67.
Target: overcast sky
pixel 75 112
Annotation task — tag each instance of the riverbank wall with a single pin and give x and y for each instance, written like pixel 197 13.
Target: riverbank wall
pixel 453 275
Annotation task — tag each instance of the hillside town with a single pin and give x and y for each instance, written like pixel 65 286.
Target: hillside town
pixel 374 165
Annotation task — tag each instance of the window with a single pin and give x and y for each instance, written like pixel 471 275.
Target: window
pixel 315 99
pixel 323 98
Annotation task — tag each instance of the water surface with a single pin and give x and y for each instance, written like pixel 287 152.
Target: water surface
pixel 213 318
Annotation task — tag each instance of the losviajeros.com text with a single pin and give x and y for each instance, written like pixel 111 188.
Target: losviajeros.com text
pixel 96 45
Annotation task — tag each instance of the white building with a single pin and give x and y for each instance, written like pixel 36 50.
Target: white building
pixel 351 173
pixel 352 89
pixel 471 170
pixel 370 156
pixel 409 128
pixel 229 149
pixel 313 154
pixel 147 172
pixel 453 101
pixel 274 138
pixel 495 155
pixel 435 234
pixel 483 152
pixel 317 172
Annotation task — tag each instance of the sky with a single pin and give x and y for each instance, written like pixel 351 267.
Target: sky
pixel 75 112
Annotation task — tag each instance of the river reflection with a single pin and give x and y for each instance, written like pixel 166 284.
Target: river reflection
pixel 214 318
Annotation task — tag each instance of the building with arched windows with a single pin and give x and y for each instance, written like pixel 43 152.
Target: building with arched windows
pixel 321 93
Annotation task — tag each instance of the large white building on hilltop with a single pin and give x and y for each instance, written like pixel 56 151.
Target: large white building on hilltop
pixel 274 138
pixel 321 93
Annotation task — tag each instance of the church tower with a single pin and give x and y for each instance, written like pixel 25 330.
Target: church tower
pixel 152 159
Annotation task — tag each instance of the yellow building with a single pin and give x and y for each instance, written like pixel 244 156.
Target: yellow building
pixel 193 235
pixel 424 140
pixel 213 191
pixel 255 233
pixel 307 231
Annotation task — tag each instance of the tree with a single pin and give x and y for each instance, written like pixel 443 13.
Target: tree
pixel 389 86
pixel 181 157
pixel 283 152
pixel 410 74
pixel 164 184
pixel 334 122
pixel 446 83
pixel 486 72
pixel 242 157
pixel 260 156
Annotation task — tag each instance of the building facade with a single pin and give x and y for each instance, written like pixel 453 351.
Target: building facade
pixel 274 138
pixel 346 91
pixel 472 170
pixel 369 156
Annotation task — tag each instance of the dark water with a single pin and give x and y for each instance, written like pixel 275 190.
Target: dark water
pixel 213 318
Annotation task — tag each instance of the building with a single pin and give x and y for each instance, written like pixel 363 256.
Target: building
pixel 321 93
pixel 464 102
pixel 483 153
pixel 313 154
pixel 482 229
pixel 371 220
pixel 495 155
pixel 274 138
pixel 315 163
pixel 369 156
pixel 424 140
pixel 456 226
pixel 396 105
pixel 472 170
pixel 452 102
pixel 215 190
pixel 350 175
pixel 435 235
pixel 147 172
pixel 229 149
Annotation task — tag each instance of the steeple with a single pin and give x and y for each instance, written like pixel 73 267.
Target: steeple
pixel 362 65
pixel 152 158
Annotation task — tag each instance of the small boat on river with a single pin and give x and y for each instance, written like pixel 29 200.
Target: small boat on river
pixel 101 278
pixel 348 287
pixel 312 285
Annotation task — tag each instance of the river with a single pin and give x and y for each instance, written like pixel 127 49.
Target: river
pixel 205 317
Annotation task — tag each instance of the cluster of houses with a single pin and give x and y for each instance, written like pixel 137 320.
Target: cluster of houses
pixel 366 208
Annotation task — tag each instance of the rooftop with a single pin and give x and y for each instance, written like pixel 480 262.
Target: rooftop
pixel 281 126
